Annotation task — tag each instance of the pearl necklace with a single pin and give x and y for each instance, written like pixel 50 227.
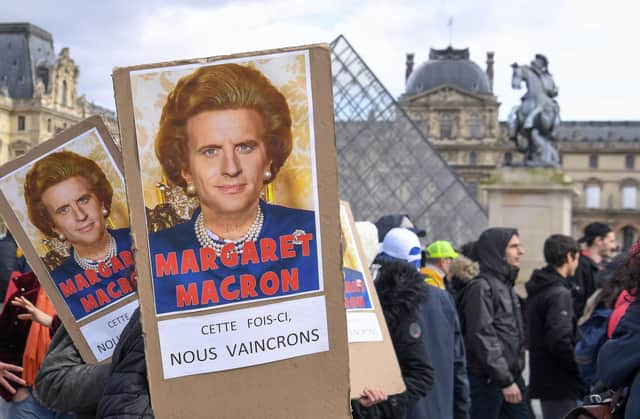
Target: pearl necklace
pixel 92 265
pixel 204 234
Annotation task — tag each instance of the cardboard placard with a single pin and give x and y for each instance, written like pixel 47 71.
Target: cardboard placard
pixel 63 201
pixel 372 359
pixel 256 322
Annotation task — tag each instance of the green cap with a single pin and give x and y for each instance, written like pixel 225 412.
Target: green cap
pixel 441 249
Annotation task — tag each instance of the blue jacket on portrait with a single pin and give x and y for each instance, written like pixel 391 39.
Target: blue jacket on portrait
pixel 68 270
pixel 181 285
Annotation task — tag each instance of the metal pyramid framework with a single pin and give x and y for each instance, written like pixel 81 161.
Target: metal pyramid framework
pixel 386 165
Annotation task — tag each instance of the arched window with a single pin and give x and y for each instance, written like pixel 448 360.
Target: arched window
pixel 628 236
pixel 446 125
pixel 475 126
pixel 473 158
pixel 592 195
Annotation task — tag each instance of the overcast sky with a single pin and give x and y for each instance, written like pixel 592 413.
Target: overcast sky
pixel 591 45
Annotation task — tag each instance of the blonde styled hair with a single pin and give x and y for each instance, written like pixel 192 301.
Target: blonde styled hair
pixel 222 87
pixel 53 169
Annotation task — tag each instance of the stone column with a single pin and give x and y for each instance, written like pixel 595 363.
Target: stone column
pixel 536 201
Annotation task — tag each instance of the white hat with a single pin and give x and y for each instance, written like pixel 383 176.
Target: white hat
pixel 368 233
pixel 402 243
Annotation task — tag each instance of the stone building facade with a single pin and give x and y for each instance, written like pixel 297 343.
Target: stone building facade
pixel 38 90
pixel 451 99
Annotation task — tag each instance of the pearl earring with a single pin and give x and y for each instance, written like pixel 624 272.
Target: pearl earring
pixel 190 190
pixel 61 237
pixel 267 175
pixel 105 212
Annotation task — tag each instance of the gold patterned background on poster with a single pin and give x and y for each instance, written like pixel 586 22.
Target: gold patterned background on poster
pixel 294 184
pixel 89 144
pixel 351 257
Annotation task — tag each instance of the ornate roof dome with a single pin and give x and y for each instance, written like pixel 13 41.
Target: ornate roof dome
pixel 448 66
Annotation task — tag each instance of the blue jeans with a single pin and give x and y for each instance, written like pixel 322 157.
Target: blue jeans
pixel 30 408
pixel 487 401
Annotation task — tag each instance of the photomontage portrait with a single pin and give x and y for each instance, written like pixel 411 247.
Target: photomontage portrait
pixel 231 175
pixel 68 203
pixel 227 162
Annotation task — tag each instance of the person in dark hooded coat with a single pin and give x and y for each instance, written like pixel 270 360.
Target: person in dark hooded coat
pixel 554 375
pixel 493 328
pixel 401 290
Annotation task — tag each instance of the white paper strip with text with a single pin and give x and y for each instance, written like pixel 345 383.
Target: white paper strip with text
pixel 241 338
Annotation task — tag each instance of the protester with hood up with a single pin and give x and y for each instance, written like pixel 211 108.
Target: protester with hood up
pixel 401 290
pixel 493 328
pixel 554 375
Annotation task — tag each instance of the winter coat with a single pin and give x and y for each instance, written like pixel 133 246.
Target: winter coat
pixel 462 271
pixel 490 313
pixel 449 398
pixel 401 290
pixel 65 383
pixel 619 359
pixel 552 337
pixel 13 331
pixel 583 283
pixel 126 391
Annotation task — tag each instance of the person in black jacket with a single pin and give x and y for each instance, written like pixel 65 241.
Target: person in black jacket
pixel 493 328
pixel 66 383
pixel 601 242
pixel 552 322
pixel 126 390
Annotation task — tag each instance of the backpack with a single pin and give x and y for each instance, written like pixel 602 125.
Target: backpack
pixel 593 336
pixel 458 300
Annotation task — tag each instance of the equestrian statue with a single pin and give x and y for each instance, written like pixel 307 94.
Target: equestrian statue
pixel 538 115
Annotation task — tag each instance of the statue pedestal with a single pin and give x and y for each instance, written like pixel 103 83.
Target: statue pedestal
pixel 536 201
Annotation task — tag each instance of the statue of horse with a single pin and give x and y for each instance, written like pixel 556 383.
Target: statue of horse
pixel 536 118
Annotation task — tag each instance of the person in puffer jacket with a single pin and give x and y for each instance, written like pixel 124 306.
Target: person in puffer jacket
pixel 401 290
pixel 554 377
pixel 126 390
pixel 66 383
pixel 493 328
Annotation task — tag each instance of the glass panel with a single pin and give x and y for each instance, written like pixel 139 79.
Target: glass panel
pixel 386 165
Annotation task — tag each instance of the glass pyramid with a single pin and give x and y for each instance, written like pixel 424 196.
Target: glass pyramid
pixel 386 165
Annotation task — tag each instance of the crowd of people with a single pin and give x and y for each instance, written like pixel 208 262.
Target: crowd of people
pixel 459 329
pixel 577 319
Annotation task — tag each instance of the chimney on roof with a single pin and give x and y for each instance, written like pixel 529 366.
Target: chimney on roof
pixel 409 66
pixel 490 69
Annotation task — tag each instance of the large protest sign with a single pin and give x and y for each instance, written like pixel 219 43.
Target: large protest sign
pixel 65 204
pixel 231 172
pixel 372 360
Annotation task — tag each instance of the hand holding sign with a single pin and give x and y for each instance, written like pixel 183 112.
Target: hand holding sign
pixel 371 396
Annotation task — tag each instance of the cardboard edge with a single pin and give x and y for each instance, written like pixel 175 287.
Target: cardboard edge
pixel 37 265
